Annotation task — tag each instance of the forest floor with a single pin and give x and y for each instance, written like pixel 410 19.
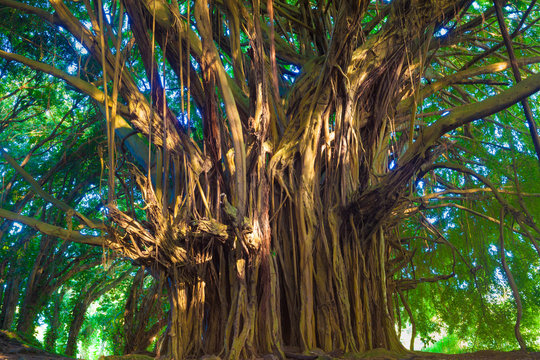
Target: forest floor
pixel 12 348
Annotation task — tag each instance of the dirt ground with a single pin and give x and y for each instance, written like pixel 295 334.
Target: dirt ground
pixel 12 349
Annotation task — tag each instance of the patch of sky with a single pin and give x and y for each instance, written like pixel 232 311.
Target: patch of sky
pixel 16 228
pixel 41 329
pixel 479 168
pixel 420 185
pixel 493 249
pixel 72 69
pixel 461 181
pixel 498 132
pixel 195 64
pixel 446 214
pixel 5 43
pixel 143 84
pixel 491 149
pixel 85 201
pixel 392 165
pixel 183 119
pixel 295 69
pixel 105 211
pixel 441 32
pixel 513 15
pixel 499 276
pixel 86 23
pixel 90 232
pixel 228 69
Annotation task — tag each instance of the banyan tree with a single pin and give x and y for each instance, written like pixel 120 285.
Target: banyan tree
pixel 259 158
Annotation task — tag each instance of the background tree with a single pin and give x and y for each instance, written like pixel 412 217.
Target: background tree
pixel 281 163
pixel 143 316
pixel 91 291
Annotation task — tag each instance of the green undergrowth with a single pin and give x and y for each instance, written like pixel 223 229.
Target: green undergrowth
pixel 450 344
pixel 24 340
pixel 126 357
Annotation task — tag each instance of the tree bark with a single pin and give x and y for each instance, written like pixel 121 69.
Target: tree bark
pixel 54 321
pixel 143 316
pixel 78 315
pixel 10 301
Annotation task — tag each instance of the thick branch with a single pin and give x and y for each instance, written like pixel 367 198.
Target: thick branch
pixel 37 188
pixel 74 81
pixel 462 75
pixel 512 283
pixel 53 230
pixel 517 75
pixel 467 113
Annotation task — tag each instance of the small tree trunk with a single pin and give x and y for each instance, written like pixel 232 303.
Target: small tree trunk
pixel 79 313
pixel 139 313
pixel 54 323
pixel 27 316
pixel 9 303
pixel 3 276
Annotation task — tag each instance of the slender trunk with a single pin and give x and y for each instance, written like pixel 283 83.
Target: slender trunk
pixel 512 283
pixel 3 278
pixel 35 295
pixel 54 322
pixel 27 315
pixel 140 311
pixel 9 303
pixel 77 321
